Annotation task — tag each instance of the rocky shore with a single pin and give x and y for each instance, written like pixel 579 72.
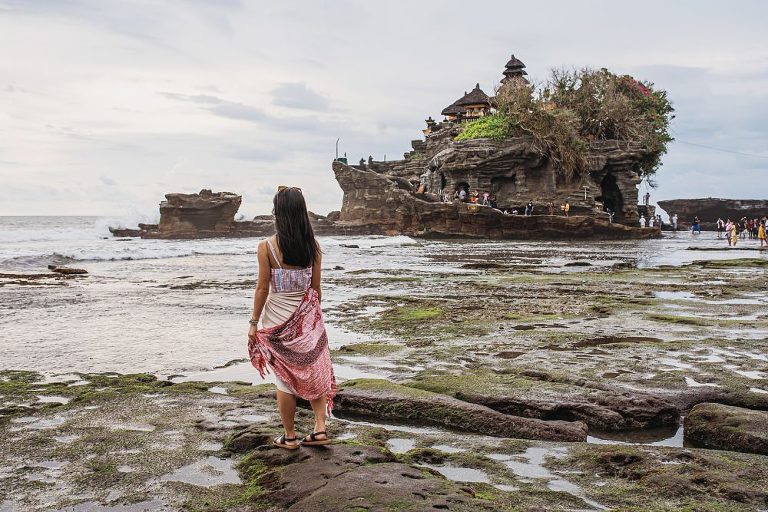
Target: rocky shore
pixel 502 384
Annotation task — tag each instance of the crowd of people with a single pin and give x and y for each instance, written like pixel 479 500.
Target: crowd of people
pixel 753 229
pixel 486 199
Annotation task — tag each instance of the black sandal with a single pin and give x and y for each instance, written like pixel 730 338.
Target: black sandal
pixel 282 442
pixel 312 440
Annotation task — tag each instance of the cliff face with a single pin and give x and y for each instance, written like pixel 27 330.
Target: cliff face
pixel 190 214
pixel 514 172
pixel 709 209
pixel 378 204
pixel 406 196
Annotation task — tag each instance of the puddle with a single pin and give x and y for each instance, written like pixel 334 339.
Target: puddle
pixel 750 374
pixel 530 465
pixel 447 448
pixel 254 418
pixel 662 436
pixel 133 428
pixel 51 464
pixel 245 372
pixel 397 428
pixel 210 446
pixel 52 399
pixel 208 472
pixel 693 384
pixel 675 295
pixel 66 439
pixel 458 474
pixel 676 364
pixel 400 445
pixel 32 423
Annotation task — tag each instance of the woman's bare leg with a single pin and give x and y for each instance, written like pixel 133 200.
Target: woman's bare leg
pixel 318 407
pixel 286 404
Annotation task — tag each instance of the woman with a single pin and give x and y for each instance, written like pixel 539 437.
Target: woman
pixel 292 340
pixel 761 233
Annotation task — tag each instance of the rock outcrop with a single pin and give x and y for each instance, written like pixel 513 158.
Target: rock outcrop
pixel 725 427
pixel 350 477
pixel 212 215
pixel 382 400
pixel 380 203
pixel 709 209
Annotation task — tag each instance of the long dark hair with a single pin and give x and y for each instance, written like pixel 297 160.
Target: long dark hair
pixel 294 232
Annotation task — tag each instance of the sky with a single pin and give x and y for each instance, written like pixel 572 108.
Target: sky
pixel 105 106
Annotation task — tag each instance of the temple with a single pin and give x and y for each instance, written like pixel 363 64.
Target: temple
pixel 512 172
pixel 473 105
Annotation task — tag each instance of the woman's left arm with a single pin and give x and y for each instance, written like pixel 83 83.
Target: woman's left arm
pixel 316 268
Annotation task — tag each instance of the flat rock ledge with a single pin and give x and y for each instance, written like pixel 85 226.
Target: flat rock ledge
pixel 601 410
pixel 383 400
pixel 344 477
pixel 724 427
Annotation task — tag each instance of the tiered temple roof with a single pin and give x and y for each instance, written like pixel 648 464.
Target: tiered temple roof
pixel 514 69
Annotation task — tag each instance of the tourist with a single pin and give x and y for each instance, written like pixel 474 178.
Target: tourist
pixel 720 227
pixel 647 198
pixel 493 203
pixel 696 226
pixel 462 195
pixel 566 208
pixel 642 221
pixel 551 207
pixel 761 234
pixel 651 221
pixel 486 199
pixel 287 334
pixel 674 222
pixel 733 234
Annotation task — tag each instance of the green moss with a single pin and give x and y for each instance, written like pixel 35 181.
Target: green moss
pixel 414 314
pixel 385 385
pixel 734 263
pixel 488 127
pixel 369 349
pixel 677 319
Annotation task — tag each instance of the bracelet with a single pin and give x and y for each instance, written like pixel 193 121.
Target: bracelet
pixel 253 322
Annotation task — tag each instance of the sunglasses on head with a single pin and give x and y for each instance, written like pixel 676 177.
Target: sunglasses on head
pixel 283 187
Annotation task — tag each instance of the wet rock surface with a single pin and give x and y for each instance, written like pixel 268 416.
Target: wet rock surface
pixel 351 477
pixel 385 401
pixel 727 428
pixel 377 204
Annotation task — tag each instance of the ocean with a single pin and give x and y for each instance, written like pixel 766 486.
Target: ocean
pixel 182 307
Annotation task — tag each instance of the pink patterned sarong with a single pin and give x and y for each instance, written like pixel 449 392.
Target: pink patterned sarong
pixel 297 351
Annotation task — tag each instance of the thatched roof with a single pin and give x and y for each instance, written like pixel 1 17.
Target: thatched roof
pixel 452 110
pixel 475 97
pixel 515 64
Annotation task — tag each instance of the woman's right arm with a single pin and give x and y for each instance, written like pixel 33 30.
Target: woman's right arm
pixel 262 285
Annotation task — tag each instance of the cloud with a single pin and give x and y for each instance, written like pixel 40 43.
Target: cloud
pixel 108 181
pixel 255 94
pixel 298 95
